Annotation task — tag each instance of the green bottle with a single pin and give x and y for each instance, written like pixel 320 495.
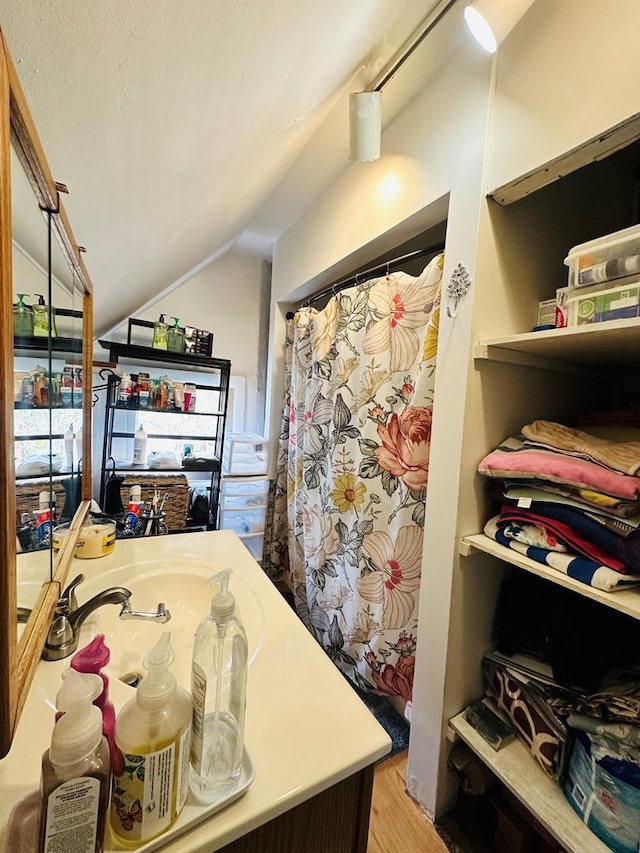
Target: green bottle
pixel 22 318
pixel 160 329
pixel 175 337
pixel 44 319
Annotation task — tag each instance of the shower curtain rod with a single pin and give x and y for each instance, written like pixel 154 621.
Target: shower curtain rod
pixel 356 278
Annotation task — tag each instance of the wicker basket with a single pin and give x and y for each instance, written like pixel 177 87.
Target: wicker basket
pixel 176 505
pixel 28 491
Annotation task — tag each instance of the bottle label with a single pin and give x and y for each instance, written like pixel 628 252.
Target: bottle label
pixel 182 787
pixel 198 697
pixel 141 805
pixel 72 816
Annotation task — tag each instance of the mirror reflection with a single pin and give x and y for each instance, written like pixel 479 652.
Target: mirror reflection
pixel 47 390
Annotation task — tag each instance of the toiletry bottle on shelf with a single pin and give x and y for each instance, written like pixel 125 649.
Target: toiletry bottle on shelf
pixel 134 509
pixel 78 446
pixel 160 329
pixel 92 659
pixel 140 446
pixel 44 518
pixel 68 446
pixel 22 318
pixel 153 732
pixel 76 772
pixel 218 688
pixel 175 337
pixel 44 319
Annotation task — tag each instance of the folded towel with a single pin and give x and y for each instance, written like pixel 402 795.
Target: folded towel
pixel 616 455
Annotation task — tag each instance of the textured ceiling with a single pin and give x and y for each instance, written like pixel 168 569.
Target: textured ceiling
pixel 172 122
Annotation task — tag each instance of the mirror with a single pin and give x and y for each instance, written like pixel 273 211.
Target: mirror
pixel 45 414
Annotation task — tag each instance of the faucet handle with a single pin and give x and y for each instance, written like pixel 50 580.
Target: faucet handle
pixel 70 592
pixel 160 615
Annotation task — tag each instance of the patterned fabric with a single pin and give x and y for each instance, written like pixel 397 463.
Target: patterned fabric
pixel 514 460
pixel 622 456
pixel 579 568
pixel 353 468
pixel 546 737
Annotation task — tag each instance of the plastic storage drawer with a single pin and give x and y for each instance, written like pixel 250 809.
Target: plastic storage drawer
pixel 255 545
pixel 246 454
pixel 243 521
pixel 232 486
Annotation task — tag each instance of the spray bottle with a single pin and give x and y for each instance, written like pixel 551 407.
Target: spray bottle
pixel 153 732
pixel 75 771
pixel 218 687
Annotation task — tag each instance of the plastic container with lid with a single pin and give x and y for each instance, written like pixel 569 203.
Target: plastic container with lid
pixel 218 687
pixel 153 732
pixel 243 521
pixel 96 538
pixel 606 258
pixel 76 771
pixel 601 305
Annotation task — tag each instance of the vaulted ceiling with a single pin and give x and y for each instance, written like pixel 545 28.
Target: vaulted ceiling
pixel 173 122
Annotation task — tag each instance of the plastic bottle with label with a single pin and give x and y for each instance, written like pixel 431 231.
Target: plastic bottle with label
pixel 153 732
pixel 140 446
pixel 218 688
pixel 76 771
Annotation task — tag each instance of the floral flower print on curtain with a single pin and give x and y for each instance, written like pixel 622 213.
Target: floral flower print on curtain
pixel 395 576
pixel 358 458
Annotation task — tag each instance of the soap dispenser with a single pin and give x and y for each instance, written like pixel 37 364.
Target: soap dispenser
pixel 218 688
pixel 92 659
pixel 44 319
pixel 160 329
pixel 75 771
pixel 175 337
pixel 22 317
pixel 153 732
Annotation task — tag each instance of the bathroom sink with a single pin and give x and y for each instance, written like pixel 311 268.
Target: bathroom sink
pixel 182 586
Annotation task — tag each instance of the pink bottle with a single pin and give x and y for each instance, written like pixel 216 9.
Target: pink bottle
pixel 92 658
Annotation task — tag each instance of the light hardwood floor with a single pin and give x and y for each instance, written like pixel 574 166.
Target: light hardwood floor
pixel 397 823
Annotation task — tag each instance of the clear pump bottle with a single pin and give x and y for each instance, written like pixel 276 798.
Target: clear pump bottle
pixel 75 771
pixel 153 732
pixel 218 687
pixel 175 337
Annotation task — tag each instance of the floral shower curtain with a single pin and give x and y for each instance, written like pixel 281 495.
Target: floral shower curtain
pixel 352 471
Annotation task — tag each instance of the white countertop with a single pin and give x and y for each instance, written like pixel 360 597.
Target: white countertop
pixel 306 729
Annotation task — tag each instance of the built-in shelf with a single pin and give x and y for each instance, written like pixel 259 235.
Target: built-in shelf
pixel 579 350
pixel 516 768
pixel 625 600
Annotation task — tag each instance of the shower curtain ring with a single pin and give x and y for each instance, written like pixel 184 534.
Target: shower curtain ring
pixel 457 287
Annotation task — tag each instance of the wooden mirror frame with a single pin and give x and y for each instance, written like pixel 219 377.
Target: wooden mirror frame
pixel 18 660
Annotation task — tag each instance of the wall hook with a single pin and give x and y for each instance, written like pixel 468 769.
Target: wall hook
pixel 457 287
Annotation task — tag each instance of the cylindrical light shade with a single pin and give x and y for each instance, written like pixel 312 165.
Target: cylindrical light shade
pixel 365 125
pixel 491 21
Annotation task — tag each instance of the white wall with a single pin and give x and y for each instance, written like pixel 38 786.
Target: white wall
pixel 230 298
pixel 432 160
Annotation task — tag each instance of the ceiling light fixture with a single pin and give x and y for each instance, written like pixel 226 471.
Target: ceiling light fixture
pixel 365 108
pixel 491 21
pixel 365 126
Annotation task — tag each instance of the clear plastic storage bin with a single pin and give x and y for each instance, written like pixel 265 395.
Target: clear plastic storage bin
pixel 607 258
pixel 243 521
pixel 245 454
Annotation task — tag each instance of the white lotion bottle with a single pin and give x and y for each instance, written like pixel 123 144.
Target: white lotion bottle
pixel 218 688
pixel 76 771
pixel 153 733
pixel 79 441
pixel 140 446
pixel 68 446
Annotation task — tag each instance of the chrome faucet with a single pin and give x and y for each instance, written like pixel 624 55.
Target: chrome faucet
pixel 62 639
